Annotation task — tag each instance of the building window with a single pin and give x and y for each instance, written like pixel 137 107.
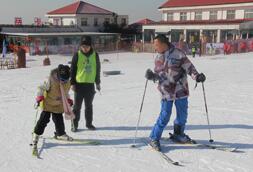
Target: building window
pixel 183 16
pixel 107 20
pixel 56 21
pixel 123 21
pixel 95 21
pixel 67 41
pixel 169 16
pixel 213 15
pixel 84 22
pixel 248 14
pixel 198 15
pixel 230 14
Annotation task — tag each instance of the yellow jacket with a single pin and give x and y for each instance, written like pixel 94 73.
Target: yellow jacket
pixel 52 95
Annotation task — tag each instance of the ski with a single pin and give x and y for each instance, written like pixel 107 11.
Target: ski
pixel 163 155
pixel 210 146
pixel 217 147
pixel 75 141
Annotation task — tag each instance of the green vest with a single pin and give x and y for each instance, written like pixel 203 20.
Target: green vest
pixel 193 49
pixel 86 68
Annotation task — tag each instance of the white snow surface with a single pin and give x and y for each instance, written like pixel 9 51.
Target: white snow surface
pixel 229 91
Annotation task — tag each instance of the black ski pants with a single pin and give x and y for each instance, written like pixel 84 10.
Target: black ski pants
pixel 44 120
pixel 84 92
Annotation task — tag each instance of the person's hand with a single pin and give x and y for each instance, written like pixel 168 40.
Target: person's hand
pixel 39 99
pixel 98 87
pixel 200 77
pixel 149 74
pixel 70 102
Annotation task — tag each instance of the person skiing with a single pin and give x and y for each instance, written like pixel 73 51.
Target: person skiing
pixel 171 69
pixel 85 74
pixel 51 95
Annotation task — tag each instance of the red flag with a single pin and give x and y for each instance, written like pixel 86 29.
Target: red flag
pixel 18 21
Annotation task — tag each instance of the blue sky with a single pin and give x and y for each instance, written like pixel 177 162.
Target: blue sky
pixel 28 9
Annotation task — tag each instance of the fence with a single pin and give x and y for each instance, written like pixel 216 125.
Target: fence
pixel 228 47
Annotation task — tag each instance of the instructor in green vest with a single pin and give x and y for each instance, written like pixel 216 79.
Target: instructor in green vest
pixel 85 75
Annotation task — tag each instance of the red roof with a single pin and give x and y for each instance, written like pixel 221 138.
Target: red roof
pixel 201 22
pixel 80 7
pixel 188 3
pixel 144 21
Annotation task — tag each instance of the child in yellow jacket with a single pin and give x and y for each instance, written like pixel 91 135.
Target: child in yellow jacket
pixel 53 103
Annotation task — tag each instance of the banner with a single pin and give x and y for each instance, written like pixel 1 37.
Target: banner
pixel 37 21
pixel 18 21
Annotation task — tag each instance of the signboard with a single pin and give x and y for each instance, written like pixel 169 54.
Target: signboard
pixel 18 21
pixel 37 21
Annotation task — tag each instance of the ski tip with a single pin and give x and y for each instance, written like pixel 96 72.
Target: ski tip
pixel 176 163
pixel 236 150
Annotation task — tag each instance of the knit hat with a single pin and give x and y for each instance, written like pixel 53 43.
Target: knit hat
pixel 86 40
pixel 63 72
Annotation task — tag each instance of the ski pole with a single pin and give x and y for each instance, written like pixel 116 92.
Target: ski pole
pixel 208 122
pixel 35 120
pixel 138 122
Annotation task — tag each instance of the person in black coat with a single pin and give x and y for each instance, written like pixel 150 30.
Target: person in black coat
pixel 85 75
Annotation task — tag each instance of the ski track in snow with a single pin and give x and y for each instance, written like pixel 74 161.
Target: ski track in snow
pixel 229 98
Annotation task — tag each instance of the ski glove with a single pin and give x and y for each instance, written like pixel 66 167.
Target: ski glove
pixel 70 102
pixel 150 75
pixel 200 78
pixel 39 99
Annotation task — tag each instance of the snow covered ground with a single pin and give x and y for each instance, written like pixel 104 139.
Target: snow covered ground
pixel 229 97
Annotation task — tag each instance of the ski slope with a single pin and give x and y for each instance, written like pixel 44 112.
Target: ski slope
pixel 229 98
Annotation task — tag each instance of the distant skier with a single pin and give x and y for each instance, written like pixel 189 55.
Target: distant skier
pixel 193 51
pixel 53 95
pixel 171 69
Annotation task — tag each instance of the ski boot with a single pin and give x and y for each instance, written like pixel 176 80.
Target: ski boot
pixel 63 137
pixel 179 136
pixel 35 142
pixel 73 127
pixel 91 127
pixel 155 144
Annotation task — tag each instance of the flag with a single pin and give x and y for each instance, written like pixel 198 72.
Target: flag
pixel 37 21
pixel 18 21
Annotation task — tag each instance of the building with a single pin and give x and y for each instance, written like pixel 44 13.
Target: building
pixel 211 21
pixel 55 39
pixel 138 25
pixel 88 17
pixel 137 28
